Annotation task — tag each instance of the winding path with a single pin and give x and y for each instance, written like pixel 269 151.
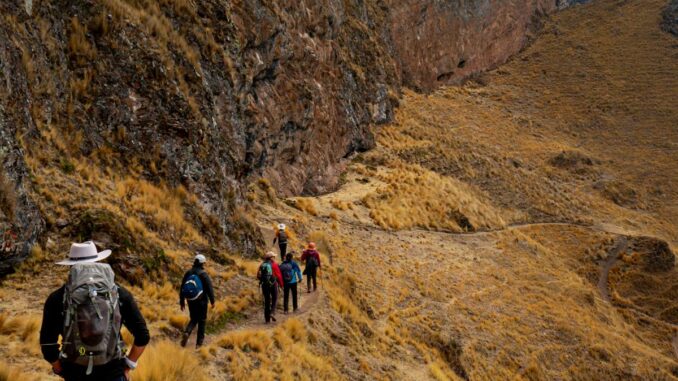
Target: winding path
pixel 606 266
pixel 603 286
pixel 256 321
pixel 620 245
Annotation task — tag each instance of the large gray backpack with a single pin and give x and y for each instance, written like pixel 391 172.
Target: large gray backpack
pixel 92 319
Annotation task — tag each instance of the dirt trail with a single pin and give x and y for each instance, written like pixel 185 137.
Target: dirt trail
pixel 307 302
pixel 606 266
pixel 603 286
pixel 255 321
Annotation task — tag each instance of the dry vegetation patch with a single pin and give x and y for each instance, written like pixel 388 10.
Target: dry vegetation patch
pixel 416 197
pixel 281 353
pixel 165 360
pixel 8 373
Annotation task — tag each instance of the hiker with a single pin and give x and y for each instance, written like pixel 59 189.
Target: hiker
pixel 291 274
pixel 311 258
pixel 196 287
pixel 270 279
pixel 281 237
pixel 88 313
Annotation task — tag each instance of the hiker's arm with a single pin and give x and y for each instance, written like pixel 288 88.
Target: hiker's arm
pixel 317 255
pixel 52 322
pixel 208 287
pixel 278 274
pixel 182 302
pixel 276 237
pixel 133 320
pixel 297 270
pixel 135 353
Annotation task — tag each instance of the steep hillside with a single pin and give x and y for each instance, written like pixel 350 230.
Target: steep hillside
pixel 206 97
pixel 519 226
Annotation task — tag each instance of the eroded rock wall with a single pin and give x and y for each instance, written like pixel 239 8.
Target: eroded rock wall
pixel 210 95
pixel 214 94
pixel 443 41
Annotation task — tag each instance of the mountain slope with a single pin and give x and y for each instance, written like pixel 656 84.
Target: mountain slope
pixel 521 226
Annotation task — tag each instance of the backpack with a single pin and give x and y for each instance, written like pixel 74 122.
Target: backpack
pixel 287 272
pixel 282 236
pixel 92 320
pixel 192 288
pixel 311 262
pixel 265 275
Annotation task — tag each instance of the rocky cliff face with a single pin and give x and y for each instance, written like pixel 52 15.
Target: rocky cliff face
pixel 438 42
pixel 213 94
pixel 670 18
pixel 20 220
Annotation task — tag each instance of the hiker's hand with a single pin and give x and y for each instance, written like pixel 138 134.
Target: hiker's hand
pixel 56 367
pixel 212 305
pixel 127 376
pixel 183 307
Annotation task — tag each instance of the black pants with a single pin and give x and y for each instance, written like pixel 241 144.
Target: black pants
pixel 270 300
pixel 311 276
pixel 283 250
pixel 198 312
pixel 290 287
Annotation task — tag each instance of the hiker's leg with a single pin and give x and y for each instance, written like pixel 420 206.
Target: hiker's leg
pixel 190 326
pixel 293 288
pixel 308 281
pixel 267 303
pixel 315 273
pixel 283 250
pixel 274 303
pixel 187 332
pixel 201 332
pixel 286 298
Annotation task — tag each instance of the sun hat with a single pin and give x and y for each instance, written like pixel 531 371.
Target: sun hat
pixel 270 254
pixel 311 245
pixel 84 253
pixel 281 227
pixel 200 258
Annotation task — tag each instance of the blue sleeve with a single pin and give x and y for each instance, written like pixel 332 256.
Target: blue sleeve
pixel 297 271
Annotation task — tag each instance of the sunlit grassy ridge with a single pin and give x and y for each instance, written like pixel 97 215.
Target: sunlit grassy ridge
pixel 579 128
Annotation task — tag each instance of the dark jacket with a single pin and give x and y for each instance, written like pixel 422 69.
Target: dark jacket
pixel 296 271
pixel 308 254
pixel 53 324
pixel 207 290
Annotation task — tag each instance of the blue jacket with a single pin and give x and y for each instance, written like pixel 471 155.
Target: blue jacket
pixel 296 271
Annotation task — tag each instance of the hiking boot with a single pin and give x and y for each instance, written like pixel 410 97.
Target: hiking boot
pixel 273 318
pixel 184 339
pixel 197 346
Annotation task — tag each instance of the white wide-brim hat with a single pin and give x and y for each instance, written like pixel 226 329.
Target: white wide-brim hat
pixel 281 227
pixel 84 253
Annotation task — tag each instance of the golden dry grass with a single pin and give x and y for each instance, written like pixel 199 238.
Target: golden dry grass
pixel 8 373
pixel 417 197
pixel 155 212
pixel 278 354
pixel 422 304
pixel 307 205
pixel 167 361
pixel 163 205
